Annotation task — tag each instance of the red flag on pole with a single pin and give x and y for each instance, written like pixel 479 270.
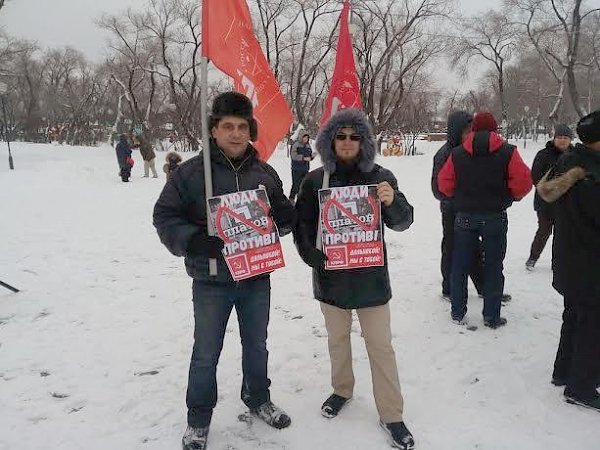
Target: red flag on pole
pixel 344 91
pixel 228 40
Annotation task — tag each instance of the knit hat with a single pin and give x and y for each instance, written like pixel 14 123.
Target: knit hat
pixel 233 104
pixel 484 121
pixel 588 128
pixel 563 130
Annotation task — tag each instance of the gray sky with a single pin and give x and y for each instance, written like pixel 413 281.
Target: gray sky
pixel 71 22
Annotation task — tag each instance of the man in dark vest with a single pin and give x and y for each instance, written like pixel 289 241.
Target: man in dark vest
pixel 484 176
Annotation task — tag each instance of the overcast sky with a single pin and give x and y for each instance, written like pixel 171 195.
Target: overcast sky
pixel 72 22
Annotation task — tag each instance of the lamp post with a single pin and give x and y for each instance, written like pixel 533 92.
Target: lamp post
pixel 3 92
pixel 525 126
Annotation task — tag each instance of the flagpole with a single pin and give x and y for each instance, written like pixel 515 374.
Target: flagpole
pixel 208 185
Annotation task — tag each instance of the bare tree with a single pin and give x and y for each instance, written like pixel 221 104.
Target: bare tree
pixel 276 18
pixel 394 43
pixel 491 37
pixel 554 28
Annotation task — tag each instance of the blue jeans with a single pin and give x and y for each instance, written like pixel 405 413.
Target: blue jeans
pixel 468 228
pixel 212 307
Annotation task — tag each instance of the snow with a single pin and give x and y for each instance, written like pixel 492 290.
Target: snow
pixel 94 351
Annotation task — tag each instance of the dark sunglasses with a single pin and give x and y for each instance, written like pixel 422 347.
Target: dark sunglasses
pixel 344 136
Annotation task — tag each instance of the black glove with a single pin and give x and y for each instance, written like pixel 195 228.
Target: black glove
pixel 284 216
pixel 315 258
pixel 202 244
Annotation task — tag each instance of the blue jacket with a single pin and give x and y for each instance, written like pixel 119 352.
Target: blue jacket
pixel 298 152
pixel 123 152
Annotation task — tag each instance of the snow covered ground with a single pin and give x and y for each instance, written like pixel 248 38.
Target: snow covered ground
pixel 94 351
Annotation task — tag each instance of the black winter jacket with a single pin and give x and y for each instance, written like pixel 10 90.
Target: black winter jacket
pixel 180 211
pixel 544 160
pixel 457 123
pixel 576 245
pixel 354 288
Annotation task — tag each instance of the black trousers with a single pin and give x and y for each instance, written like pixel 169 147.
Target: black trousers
pixel 544 230
pixel 578 356
pixel 297 177
pixel 476 271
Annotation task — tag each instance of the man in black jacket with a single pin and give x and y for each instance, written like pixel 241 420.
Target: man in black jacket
pixel 544 161
pixel 347 148
pixel 180 217
pixel 459 126
pixel 576 255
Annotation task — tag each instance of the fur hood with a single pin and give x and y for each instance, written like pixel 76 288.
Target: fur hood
pixel 347 118
pixel 173 157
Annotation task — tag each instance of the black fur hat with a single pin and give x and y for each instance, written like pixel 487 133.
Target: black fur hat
pixel 233 104
pixel 588 128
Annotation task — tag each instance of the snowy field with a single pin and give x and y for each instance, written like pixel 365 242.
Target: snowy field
pixel 94 351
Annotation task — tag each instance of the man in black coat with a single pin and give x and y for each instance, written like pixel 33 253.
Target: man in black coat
pixel 180 217
pixel 544 161
pixel 124 158
pixel 576 255
pixel 459 126
pixel 347 148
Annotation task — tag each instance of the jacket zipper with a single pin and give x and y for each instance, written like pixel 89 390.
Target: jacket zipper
pixel 235 171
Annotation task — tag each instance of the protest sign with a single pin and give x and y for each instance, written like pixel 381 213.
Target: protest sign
pixel 252 244
pixel 351 227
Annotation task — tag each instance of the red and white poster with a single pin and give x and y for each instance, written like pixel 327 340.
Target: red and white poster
pixel 351 227
pixel 252 244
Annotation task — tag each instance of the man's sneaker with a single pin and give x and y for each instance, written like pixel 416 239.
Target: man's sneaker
pixel 399 435
pixel 333 405
pixel 495 322
pixel 460 320
pixel 195 438
pixel 593 403
pixel 530 264
pixel 272 415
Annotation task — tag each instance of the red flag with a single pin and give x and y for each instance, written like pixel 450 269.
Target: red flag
pixel 344 91
pixel 228 40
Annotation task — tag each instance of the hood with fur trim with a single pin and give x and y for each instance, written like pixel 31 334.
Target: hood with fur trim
pixel 347 118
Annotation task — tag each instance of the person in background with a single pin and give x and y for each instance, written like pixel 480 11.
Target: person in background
pixel 544 161
pixel 124 158
pixel 458 128
pixel 172 161
pixel 148 156
pixel 576 261
pixel 301 155
pixel 484 176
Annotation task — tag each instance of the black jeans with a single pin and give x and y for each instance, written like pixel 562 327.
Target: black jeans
pixel 476 271
pixel 544 230
pixel 492 228
pixel 212 306
pixel 578 356
pixel 297 177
